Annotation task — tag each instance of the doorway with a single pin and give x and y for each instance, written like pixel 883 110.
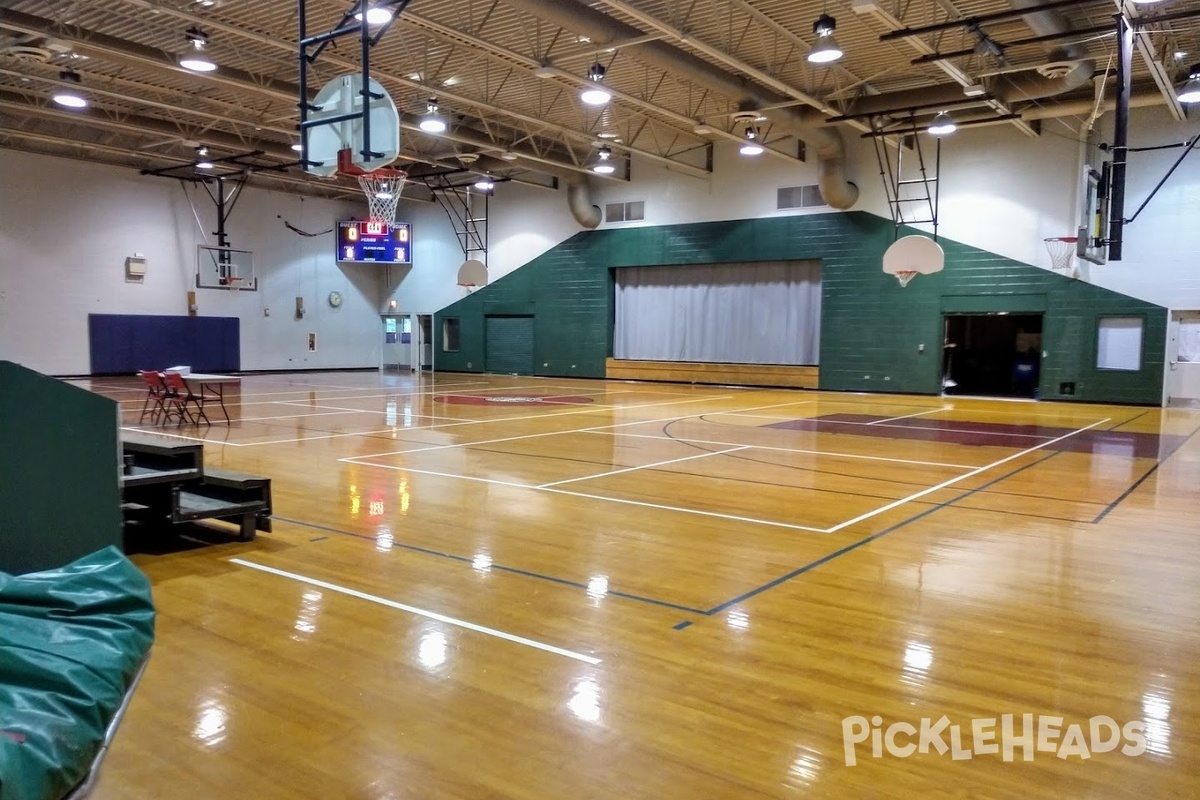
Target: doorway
pixel 407 343
pixel 1183 360
pixel 995 354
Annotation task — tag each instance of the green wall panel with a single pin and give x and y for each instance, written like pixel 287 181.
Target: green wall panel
pixel 60 493
pixel 871 329
pixel 509 344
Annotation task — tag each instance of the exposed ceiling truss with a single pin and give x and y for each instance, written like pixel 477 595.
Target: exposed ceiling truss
pixel 510 79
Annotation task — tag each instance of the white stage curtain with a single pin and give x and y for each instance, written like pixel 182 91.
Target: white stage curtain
pixel 765 312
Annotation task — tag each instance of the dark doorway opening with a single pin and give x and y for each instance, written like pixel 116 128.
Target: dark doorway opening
pixel 992 355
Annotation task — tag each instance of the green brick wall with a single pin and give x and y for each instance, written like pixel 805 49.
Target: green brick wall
pixel 871 329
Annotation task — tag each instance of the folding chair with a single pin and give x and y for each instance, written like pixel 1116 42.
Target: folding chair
pixel 189 397
pixel 175 398
pixel 155 394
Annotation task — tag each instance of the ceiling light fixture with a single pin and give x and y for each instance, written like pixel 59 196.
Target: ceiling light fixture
pixel 943 124
pixel 69 96
pixel 298 147
pixel 826 48
pixel 432 121
pixel 193 58
pixel 1190 93
pixel 376 15
pixel 508 155
pixel 202 161
pixel 751 146
pixel 594 94
pixel 604 164
pixel 485 184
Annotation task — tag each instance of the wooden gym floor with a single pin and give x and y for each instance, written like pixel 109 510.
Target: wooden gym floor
pixel 496 587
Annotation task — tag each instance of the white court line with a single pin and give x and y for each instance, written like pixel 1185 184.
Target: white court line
pixel 935 430
pixel 643 466
pixel 420 612
pixel 688 510
pixel 790 450
pixel 157 432
pixel 245 399
pixel 590 496
pixel 906 416
pixel 589 429
pixel 475 478
pixel 301 404
pixel 962 477
pixel 588 410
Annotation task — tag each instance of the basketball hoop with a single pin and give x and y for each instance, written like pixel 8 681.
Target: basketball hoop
pixel 381 186
pixel 910 256
pixel 1062 249
pixel 234 283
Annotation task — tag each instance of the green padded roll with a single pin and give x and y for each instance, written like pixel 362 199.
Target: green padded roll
pixel 71 641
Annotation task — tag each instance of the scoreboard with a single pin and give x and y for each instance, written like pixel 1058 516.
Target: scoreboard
pixel 370 242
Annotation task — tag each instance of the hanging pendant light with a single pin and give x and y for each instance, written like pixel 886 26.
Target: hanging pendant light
pixel 432 121
pixel 604 164
pixel 68 96
pixel 594 94
pixel 826 49
pixel 942 125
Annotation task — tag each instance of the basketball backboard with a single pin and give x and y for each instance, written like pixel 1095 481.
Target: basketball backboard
pixel 340 101
pixel 224 268
pixel 1092 239
pixel 913 255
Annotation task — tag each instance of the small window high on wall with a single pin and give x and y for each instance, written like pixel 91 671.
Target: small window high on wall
pixel 1119 343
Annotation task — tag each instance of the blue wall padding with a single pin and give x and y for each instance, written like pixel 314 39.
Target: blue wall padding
pixel 124 343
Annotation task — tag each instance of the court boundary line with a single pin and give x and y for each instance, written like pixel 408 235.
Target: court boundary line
pixel 360 460
pixel 825 559
pixel 1136 484
pixel 643 466
pixel 469 560
pixel 789 449
pixel 420 612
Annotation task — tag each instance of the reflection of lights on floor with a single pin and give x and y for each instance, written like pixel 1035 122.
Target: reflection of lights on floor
pixel 210 723
pixel 306 620
pixel 384 539
pixel 805 768
pixel 1156 708
pixel 432 650
pixel 585 701
pixel 597 586
pixel 482 562
pixel 738 620
pixel 918 657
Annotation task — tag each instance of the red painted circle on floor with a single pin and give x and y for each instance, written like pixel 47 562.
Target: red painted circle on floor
pixel 514 399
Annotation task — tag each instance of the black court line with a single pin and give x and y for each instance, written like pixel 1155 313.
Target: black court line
pixel 1112 506
pixel 496 567
pixel 867 540
pixel 1126 422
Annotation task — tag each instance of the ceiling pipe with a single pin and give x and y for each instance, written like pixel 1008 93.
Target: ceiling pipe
pixel 1074 70
pixel 602 29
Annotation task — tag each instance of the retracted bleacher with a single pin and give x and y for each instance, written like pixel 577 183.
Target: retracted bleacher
pixel 165 480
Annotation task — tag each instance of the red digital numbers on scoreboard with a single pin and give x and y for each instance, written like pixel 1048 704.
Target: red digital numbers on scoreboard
pixel 373 228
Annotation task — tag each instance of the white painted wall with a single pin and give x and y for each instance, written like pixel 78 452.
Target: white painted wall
pixel 62 253
pixel 1161 245
pixel 66 228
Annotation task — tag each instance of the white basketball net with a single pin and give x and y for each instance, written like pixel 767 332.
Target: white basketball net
pixel 905 275
pixel 1062 250
pixel 383 193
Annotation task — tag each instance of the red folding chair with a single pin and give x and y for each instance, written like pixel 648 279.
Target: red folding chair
pixel 156 392
pixel 179 385
pixel 175 398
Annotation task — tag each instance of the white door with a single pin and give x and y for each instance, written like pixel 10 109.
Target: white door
pixel 1183 359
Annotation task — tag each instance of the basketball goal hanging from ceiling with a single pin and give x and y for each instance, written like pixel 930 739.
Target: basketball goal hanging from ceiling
pixel 910 256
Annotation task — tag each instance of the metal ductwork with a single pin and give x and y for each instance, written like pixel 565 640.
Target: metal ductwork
pixel 603 29
pixel 579 191
pixel 1066 69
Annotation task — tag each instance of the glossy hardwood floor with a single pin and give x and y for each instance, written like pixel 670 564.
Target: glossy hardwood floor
pixel 654 591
